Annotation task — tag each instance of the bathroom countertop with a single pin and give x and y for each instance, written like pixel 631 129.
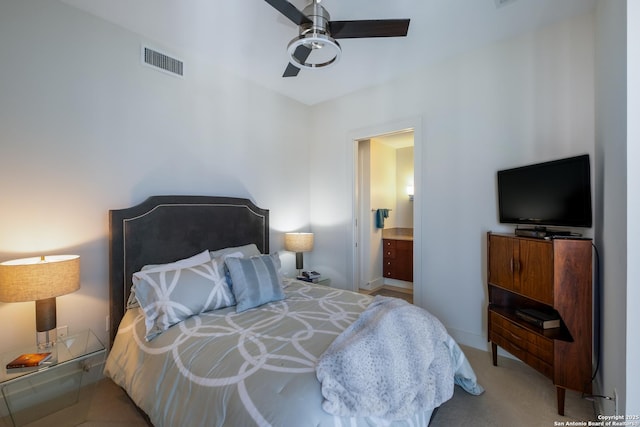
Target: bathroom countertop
pixel 398 233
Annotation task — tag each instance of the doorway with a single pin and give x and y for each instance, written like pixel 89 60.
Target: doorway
pixel 385 181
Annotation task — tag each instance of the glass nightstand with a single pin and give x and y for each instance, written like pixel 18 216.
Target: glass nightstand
pixel 32 393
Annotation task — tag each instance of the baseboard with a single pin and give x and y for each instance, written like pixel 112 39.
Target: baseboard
pixel 476 341
pixel 398 283
pixel 597 403
pixel 603 402
pixel 373 284
pixel 469 339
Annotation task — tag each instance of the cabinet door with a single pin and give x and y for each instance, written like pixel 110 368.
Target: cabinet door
pixel 534 274
pixel 404 260
pixel 500 259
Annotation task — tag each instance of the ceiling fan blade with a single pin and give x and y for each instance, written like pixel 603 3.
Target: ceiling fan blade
pixel 291 70
pixel 290 11
pixel 301 54
pixel 369 28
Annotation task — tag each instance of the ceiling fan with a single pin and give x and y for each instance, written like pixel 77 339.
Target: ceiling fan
pixel 316 45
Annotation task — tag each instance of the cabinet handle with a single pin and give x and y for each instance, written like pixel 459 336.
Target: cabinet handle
pixel 517 347
pixel 514 336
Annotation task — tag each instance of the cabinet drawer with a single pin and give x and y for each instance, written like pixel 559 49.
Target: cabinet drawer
pixel 538 345
pixel 397 259
pixel 389 248
pixel 389 253
pixel 389 271
pixel 534 349
pixel 540 365
pixel 398 268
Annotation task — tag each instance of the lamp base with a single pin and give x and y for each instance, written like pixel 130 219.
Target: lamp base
pixel 46 340
pixel 47 333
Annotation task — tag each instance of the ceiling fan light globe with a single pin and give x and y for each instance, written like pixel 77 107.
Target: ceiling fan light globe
pixel 315 41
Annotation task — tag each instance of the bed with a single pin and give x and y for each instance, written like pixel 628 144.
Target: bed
pixel 255 359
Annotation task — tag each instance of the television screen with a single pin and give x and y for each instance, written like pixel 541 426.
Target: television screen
pixel 556 193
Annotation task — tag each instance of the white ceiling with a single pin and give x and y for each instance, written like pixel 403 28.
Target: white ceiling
pixel 249 37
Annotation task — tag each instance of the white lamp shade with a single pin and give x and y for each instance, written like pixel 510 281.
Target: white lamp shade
pixel 33 279
pixel 298 242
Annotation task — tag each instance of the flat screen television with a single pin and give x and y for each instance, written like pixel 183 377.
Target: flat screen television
pixel 555 193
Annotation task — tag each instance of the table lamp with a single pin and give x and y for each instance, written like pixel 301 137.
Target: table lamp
pixel 298 243
pixel 40 280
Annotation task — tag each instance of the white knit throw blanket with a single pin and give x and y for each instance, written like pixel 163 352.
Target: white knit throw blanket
pixel 390 363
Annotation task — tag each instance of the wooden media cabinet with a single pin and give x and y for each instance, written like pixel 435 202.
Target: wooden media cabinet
pixel 552 275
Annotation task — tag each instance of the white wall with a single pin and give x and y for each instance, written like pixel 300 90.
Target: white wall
pixel 617 135
pixel 383 183
pixel 85 128
pixel 611 190
pixel 516 102
pixel 365 219
pixel 632 398
pixel 404 177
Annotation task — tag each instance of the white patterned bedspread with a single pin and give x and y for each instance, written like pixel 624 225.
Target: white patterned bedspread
pixel 253 368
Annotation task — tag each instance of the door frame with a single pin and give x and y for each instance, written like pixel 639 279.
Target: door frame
pixel 412 123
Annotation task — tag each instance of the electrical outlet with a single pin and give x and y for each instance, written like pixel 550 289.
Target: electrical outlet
pixel 615 399
pixel 63 331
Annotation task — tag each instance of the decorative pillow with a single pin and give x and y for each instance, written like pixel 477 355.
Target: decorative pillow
pixel 256 280
pixel 244 251
pixel 168 297
pixel 192 261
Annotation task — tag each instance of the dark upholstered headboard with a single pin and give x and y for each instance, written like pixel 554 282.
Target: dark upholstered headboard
pixel 167 228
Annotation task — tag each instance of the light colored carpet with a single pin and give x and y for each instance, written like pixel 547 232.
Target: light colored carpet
pixel 104 405
pixel 515 395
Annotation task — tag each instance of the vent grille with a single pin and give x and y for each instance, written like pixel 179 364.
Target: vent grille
pixel 501 3
pixel 161 61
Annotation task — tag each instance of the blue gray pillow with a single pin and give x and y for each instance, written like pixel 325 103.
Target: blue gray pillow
pixel 192 261
pixel 256 280
pixel 168 297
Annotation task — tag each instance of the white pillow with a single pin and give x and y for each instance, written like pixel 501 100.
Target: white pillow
pixel 192 261
pixel 246 251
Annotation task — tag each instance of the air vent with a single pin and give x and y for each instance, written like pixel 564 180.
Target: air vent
pixel 162 62
pixel 501 3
